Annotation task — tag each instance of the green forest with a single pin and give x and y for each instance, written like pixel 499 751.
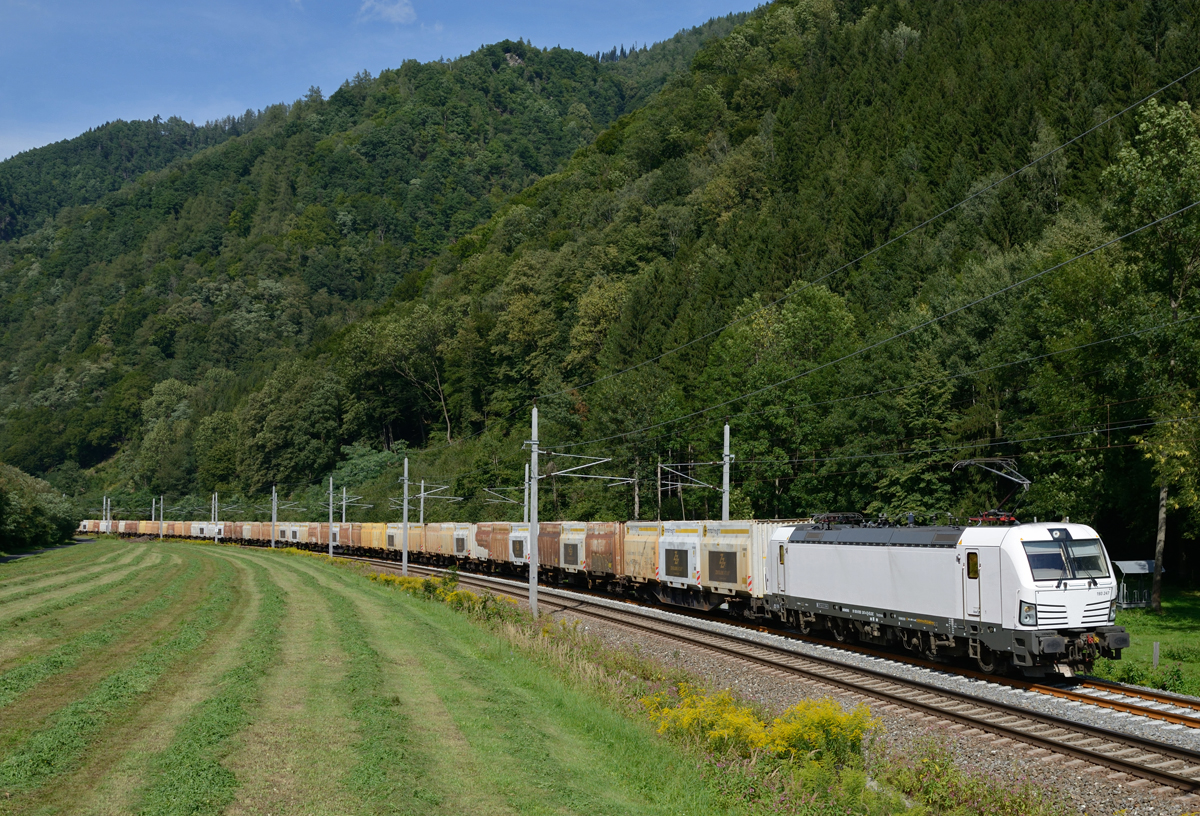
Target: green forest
pixel 876 239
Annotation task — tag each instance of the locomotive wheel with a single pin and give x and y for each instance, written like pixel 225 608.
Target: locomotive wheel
pixel 989 662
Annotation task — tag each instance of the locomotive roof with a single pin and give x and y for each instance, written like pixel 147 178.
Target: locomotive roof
pixel 879 536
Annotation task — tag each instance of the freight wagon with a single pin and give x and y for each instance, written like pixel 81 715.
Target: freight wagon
pixel 1039 597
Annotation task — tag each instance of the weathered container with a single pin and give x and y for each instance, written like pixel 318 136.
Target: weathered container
pixel 374 535
pixel 679 554
pixel 491 541
pixel 311 534
pixel 574 546
pixel 605 547
pixel 641 550
pixel 438 538
pixel 732 559
pixel 356 534
pixel 550 544
pixel 416 537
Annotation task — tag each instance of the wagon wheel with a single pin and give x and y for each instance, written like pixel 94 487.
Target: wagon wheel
pixel 803 624
pixel 839 632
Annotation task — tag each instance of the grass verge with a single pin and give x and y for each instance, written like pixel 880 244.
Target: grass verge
pixel 810 760
pixel 1177 630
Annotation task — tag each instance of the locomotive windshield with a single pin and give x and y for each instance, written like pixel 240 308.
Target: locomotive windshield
pixel 1087 558
pixel 1061 560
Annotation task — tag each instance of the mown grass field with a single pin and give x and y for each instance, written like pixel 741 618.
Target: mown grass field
pixel 174 678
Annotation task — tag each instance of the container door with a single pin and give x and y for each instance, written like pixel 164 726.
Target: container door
pixel 971 585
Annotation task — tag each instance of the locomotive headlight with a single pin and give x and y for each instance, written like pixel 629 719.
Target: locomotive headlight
pixel 1112 611
pixel 1028 614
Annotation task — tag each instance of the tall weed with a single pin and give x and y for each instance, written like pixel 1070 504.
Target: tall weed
pixel 929 775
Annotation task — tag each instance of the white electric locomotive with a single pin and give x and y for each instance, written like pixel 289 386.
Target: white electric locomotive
pixel 1041 597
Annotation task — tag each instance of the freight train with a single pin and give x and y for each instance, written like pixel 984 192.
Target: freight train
pixel 1039 598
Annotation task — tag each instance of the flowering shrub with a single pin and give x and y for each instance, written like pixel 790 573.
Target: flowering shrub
pixel 811 729
pixel 328 559
pixel 823 728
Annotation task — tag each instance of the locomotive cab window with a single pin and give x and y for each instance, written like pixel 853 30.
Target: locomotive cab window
pixel 1071 558
pixel 1046 560
pixel 1086 557
pixel 780 553
pixel 972 565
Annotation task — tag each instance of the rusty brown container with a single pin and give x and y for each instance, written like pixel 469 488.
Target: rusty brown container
pixel 550 544
pixel 491 541
pixel 356 535
pixel 605 546
pixel 317 534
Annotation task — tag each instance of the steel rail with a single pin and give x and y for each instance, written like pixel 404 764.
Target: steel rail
pixel 1137 756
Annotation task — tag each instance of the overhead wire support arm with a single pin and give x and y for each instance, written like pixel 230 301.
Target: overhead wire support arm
pixel 1001 466
pixel 593 461
pixel 499 499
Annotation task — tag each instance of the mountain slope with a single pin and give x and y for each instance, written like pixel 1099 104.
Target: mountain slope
pixel 249 252
pixel 808 137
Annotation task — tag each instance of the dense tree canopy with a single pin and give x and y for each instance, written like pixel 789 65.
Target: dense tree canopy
pixel 651 246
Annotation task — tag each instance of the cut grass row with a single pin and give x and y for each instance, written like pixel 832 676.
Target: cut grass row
pixel 29 570
pixel 81 575
pixel 17 681
pixel 58 747
pixel 16 612
pixel 189 777
pixel 30 636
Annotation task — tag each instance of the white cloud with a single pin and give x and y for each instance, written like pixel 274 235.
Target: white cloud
pixel 393 11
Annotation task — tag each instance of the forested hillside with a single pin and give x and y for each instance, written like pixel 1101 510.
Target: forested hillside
pixel 37 184
pixel 213 271
pixel 339 284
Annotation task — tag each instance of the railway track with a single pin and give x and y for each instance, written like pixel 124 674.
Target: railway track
pixel 1167 765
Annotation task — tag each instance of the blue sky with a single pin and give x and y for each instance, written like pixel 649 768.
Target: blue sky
pixel 67 65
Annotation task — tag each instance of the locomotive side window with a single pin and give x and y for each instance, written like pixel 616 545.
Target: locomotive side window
pixel 780 553
pixel 972 565
pixel 1046 560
